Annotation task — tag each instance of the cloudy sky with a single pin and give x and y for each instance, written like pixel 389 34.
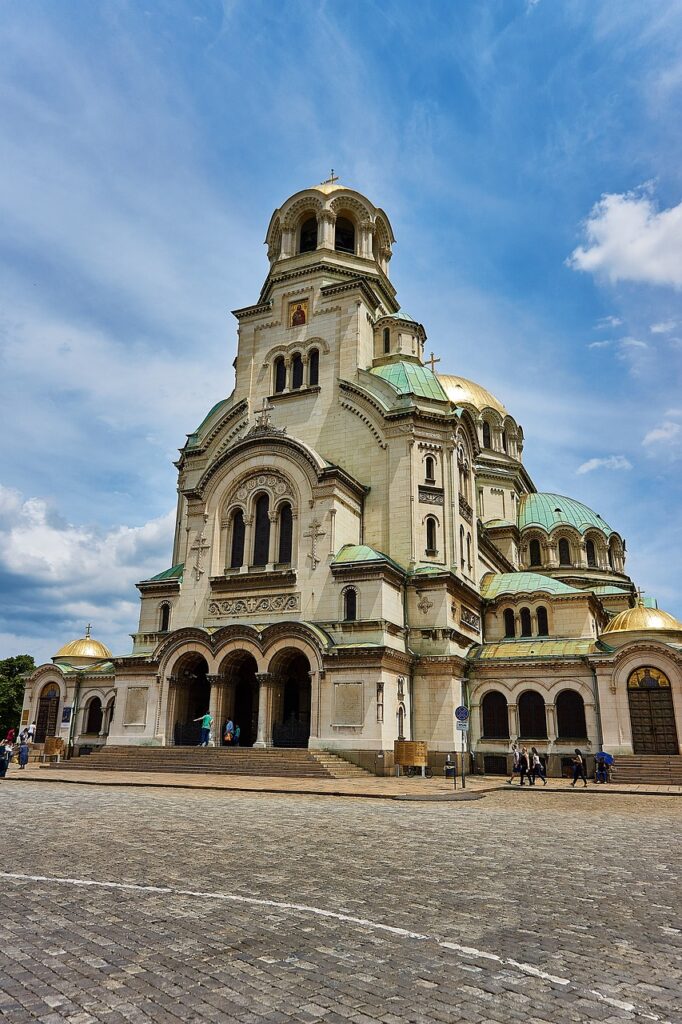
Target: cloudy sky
pixel 528 154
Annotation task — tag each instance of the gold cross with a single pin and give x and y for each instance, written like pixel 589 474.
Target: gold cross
pixel 640 595
pixel 432 362
pixel 87 631
pixel 332 178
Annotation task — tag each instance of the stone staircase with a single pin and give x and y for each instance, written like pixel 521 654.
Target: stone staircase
pixel 648 769
pixel 281 762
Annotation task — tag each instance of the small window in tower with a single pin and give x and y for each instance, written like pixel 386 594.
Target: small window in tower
pixel 313 367
pixel 526 628
pixel 486 434
pixel 591 553
pixel 296 372
pixel 308 235
pixel 469 551
pixel 164 624
pixel 285 534
pixel 509 627
pixel 543 625
pixel 344 238
pixel 238 537
pixel 350 605
pixel 430 465
pixel 280 374
pixel 387 340
pixel 461 547
pixel 535 554
pixel 505 441
pixel 431 527
pixel 564 552
pixel 261 544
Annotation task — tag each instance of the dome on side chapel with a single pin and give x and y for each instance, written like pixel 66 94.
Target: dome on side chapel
pixel 642 620
pixel 86 648
pixel 467 392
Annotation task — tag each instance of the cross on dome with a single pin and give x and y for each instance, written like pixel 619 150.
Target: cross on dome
pixel 331 179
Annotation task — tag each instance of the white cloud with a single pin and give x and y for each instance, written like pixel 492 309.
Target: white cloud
pixel 610 462
pixel 608 321
pixel 631 343
pixel 665 327
pixel 599 344
pixel 665 434
pixel 628 239
pixel 673 413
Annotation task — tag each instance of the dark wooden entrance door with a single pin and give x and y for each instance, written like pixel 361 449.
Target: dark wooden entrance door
pixel 46 721
pixel 652 717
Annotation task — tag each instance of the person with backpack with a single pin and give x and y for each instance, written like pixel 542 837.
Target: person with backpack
pixel 579 768
pixel 228 733
pixel 537 768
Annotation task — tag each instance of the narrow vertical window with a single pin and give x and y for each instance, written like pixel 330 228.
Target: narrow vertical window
pixel 238 534
pixel 543 627
pixel 164 624
pixel 461 547
pixel 280 374
pixel 313 367
pixel 509 625
pixel 285 534
pixel 430 470
pixel 344 235
pixel 296 372
pixel 526 627
pixel 308 235
pixel 505 442
pixel 564 552
pixel 591 553
pixel 486 434
pixel 535 557
pixel 387 340
pixel 350 605
pixel 469 563
pixel 430 535
pixel 261 543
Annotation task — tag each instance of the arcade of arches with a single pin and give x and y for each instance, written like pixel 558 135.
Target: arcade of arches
pixel 271 708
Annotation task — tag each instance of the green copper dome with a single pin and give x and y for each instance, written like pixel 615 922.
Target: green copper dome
pixel 494 584
pixel 410 378
pixel 551 510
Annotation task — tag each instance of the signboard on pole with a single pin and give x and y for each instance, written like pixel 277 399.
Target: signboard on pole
pixel 462 713
pixel 462 726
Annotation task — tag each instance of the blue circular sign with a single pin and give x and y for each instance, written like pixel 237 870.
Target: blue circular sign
pixel 462 713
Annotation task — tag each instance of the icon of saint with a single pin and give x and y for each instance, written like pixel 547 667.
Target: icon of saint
pixel 298 316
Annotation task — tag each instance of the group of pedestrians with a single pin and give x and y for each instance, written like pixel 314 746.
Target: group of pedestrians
pixel 231 732
pixel 527 765
pixel 21 746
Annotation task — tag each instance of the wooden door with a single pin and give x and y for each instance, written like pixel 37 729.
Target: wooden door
pixel 652 717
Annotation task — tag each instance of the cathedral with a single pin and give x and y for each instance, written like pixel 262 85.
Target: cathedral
pixel 359 549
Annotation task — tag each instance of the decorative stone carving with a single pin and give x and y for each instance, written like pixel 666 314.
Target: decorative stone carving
pixel 277 484
pixel 200 546
pixel 252 605
pixel 465 509
pixel 424 604
pixel 315 534
pixel 429 497
pixel 469 618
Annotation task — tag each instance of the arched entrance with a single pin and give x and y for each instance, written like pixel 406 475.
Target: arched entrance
pixel 48 707
pixel 241 671
pixel 291 712
pixel 193 693
pixel 652 715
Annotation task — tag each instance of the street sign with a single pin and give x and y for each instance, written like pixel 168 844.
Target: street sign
pixel 462 726
pixel 462 713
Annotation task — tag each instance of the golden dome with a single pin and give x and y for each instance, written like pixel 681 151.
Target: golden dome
pixel 466 392
pixel 642 620
pixel 86 647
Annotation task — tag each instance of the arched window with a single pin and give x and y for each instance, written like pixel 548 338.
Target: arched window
pixel 344 236
pixel 570 716
pixel 296 372
pixel 526 627
pixel 431 535
pixel 350 604
pixel 93 722
pixel 461 547
pixel 469 551
pixel 614 556
pixel 543 628
pixel 590 552
pixel 313 367
pixel 308 235
pixel 387 340
pixel 564 552
pixel 261 543
pixel 505 442
pixel 238 535
pixel 430 469
pixel 164 618
pixel 509 624
pixel 532 719
pixel 535 555
pixel 285 534
pixel 495 717
pixel 280 374
pixel 486 434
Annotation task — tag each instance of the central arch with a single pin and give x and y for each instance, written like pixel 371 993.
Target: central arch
pixel 193 694
pixel 240 669
pixel 291 708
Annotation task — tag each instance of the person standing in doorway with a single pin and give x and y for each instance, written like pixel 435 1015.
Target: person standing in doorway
pixel 206 723
pixel 515 763
pixel 579 772
pixel 228 733
pixel 237 734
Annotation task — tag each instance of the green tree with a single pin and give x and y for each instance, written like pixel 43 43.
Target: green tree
pixel 12 672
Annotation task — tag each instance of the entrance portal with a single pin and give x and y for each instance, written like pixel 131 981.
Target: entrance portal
pixel 652 715
pixel 291 724
pixel 243 670
pixel 191 700
pixel 48 706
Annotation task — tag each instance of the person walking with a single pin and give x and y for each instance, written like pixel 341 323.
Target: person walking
pixel 5 758
pixel 206 723
pixel 579 768
pixel 228 734
pixel 515 763
pixel 11 733
pixel 24 751
pixel 537 768
pixel 31 732
pixel 237 734
pixel 524 764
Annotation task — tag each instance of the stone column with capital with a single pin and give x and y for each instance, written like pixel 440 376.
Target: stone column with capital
pixel 325 229
pixel 551 723
pixel 513 721
pixel 264 733
pixel 274 539
pixel 214 709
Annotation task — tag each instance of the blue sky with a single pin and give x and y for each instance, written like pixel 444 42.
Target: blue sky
pixel 527 153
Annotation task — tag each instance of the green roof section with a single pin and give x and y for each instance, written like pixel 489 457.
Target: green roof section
pixel 410 378
pixel 522 649
pixel 351 554
pixel 174 573
pixel 650 602
pixel 193 438
pixel 494 524
pixel 605 590
pixel 549 511
pixel 494 584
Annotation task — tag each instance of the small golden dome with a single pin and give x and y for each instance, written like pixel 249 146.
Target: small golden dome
pixel 466 392
pixel 86 647
pixel 642 620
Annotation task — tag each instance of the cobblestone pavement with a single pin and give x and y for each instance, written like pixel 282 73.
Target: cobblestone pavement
pixel 495 910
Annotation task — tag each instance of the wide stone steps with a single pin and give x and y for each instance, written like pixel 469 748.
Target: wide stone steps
pixel 280 762
pixel 649 769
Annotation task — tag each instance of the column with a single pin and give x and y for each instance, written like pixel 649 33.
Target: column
pixel 325 229
pixel 264 733
pixel 274 540
pixel 551 723
pixel 214 707
pixel 169 730
pixel 248 543
pixel 513 720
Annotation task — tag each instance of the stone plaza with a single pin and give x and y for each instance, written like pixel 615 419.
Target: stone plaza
pixel 543 907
